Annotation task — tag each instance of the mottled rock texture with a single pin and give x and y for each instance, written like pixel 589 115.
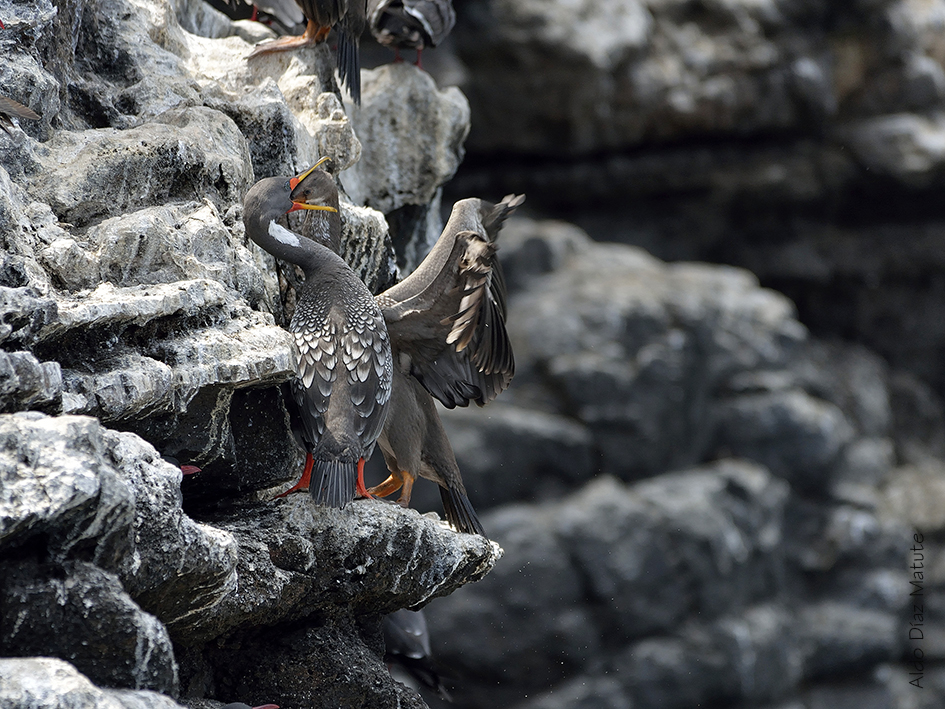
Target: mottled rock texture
pixel 137 321
pixel 734 583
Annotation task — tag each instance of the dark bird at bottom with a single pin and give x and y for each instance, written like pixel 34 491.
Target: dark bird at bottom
pixel 343 383
pixel 411 24
pixel 348 17
pixel 407 645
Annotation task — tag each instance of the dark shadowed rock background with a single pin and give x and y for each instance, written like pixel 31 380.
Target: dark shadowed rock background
pixel 725 433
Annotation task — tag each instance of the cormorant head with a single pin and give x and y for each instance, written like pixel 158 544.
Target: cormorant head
pixel 314 189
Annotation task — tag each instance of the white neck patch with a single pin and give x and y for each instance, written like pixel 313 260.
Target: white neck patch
pixel 282 235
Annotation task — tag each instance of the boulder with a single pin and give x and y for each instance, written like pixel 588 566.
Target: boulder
pixel 50 683
pixel 47 612
pixel 606 566
pixel 103 568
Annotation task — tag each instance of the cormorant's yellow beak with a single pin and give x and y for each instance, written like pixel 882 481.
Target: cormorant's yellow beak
pixel 296 180
pixel 303 205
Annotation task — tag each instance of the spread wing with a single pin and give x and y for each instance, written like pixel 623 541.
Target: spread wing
pixel 447 319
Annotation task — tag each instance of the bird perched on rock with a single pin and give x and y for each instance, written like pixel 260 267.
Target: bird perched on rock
pixel 348 17
pixel 407 645
pixel 343 383
pixel 447 327
pixel 10 109
pixel 446 323
pixel 411 24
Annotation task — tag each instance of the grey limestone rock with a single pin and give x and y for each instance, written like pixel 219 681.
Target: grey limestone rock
pixel 508 453
pixel 400 172
pixel 758 656
pixel 800 140
pixel 125 571
pixel 844 639
pixel 27 383
pixel 637 349
pixel 84 492
pixel 906 146
pixel 128 292
pixel 81 614
pixel 580 77
pixel 185 154
pixel 792 433
pixel 289 548
pixel 398 167
pixel 162 244
pixel 51 683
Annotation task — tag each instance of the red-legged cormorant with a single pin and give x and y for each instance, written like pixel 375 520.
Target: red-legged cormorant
pixel 343 383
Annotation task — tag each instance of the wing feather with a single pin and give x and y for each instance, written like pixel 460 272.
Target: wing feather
pixel 448 317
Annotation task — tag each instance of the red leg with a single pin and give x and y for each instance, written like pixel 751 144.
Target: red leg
pixel 306 478
pixel 419 52
pixel 359 488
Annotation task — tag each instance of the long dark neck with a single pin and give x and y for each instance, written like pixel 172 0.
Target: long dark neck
pixel 324 228
pixel 263 206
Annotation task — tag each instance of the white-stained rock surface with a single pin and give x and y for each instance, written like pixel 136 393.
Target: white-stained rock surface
pixel 130 294
pixel 49 683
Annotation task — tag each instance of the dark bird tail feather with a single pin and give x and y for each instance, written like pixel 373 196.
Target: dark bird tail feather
pixel 349 65
pixel 460 513
pixel 333 482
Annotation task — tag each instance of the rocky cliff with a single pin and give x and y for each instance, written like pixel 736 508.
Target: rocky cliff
pixel 139 326
pixel 800 140
pixel 708 493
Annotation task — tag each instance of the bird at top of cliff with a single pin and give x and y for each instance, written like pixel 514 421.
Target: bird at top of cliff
pixel 447 327
pixel 348 17
pixel 411 24
pixel 343 383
